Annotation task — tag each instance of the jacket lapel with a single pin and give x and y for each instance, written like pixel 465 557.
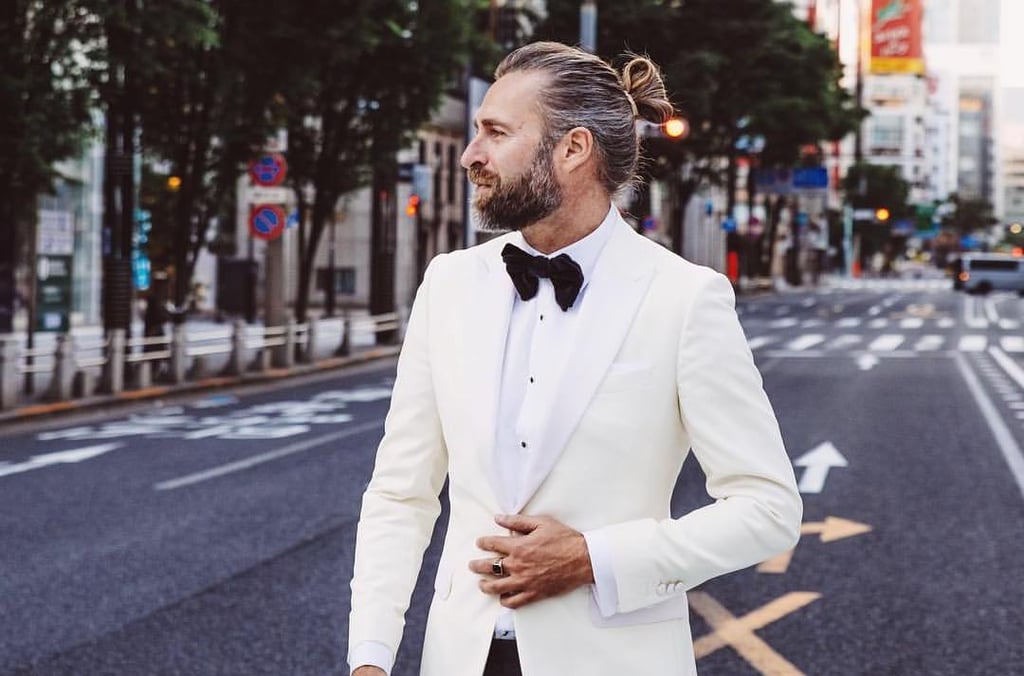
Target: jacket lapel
pixel 486 330
pixel 613 295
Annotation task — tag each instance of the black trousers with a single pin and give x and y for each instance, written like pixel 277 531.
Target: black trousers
pixel 503 660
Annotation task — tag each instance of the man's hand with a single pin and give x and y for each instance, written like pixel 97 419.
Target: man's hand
pixel 368 671
pixel 544 558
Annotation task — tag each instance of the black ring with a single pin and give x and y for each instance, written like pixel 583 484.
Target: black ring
pixel 498 567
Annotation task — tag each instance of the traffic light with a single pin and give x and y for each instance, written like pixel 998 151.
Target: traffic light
pixel 676 128
pixel 412 206
pixel 882 214
pixel 173 183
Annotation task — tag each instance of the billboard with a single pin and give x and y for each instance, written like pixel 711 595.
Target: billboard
pixel 896 37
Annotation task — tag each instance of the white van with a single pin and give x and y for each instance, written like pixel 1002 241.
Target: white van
pixel 984 272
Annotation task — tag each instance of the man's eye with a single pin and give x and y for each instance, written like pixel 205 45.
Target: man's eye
pixel 497 132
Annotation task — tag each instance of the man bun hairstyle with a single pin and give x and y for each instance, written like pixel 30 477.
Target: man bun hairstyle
pixel 582 90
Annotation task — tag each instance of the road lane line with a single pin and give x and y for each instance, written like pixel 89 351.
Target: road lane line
pixel 290 449
pixel 1008 365
pixel 1004 438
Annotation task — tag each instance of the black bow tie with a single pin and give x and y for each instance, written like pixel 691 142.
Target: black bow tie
pixel 526 270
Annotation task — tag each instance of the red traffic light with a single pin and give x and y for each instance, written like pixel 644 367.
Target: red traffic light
pixel 413 205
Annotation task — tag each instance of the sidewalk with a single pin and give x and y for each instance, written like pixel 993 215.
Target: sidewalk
pixel 363 347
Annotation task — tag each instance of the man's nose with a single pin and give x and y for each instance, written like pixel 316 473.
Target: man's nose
pixel 472 154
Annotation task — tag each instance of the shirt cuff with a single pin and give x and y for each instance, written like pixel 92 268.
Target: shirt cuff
pixel 605 593
pixel 372 654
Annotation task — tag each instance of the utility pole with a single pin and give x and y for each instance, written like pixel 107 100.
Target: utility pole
pixel 588 25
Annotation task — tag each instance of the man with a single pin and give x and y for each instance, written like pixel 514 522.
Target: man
pixel 562 394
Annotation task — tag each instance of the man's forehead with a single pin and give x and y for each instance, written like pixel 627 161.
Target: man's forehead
pixel 511 100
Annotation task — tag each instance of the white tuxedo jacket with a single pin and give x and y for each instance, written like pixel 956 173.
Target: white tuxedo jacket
pixel 663 367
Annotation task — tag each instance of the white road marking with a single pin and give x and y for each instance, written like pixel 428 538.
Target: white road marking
pixel 805 341
pixel 1012 343
pixel 971 318
pixel 972 343
pixel 1004 438
pixel 990 311
pixel 886 342
pixel 58 458
pixel 784 323
pixel 252 461
pixel 866 362
pixel 929 342
pixel 844 341
pixel 818 461
pixel 1009 324
pixel 946 323
pixel 848 322
pixel 878 323
pixel 1008 365
pixel 911 323
pixel 758 342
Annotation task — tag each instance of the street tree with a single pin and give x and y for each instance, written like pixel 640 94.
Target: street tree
pixel 738 71
pixel 44 116
pixel 363 77
pixel 968 214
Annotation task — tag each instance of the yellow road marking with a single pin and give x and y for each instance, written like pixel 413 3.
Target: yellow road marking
pixel 738 633
pixel 831 529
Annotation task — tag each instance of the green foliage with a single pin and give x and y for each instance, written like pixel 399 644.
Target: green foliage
pixel 873 186
pixel 734 69
pixel 44 99
pixel 969 214
pixel 362 78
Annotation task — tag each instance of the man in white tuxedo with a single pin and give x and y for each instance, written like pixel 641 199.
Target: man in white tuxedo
pixel 558 376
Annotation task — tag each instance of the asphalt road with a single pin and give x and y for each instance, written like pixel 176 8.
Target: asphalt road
pixel 213 535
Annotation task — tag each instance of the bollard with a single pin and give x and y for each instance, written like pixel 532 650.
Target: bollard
pixel 113 369
pixel 345 349
pixel 309 354
pixel 143 374
pixel 284 355
pixel 63 370
pixel 236 364
pixel 8 372
pixel 178 356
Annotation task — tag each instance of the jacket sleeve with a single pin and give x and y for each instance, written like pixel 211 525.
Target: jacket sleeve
pixel 401 502
pixel 735 437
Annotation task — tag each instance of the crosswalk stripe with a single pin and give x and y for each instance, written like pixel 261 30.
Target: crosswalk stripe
pixel 757 342
pixel 911 323
pixel 928 343
pixel 844 341
pixel 973 343
pixel 848 322
pixel 1012 343
pixel 805 341
pixel 886 342
pixel 784 323
pixel 946 323
pixel 878 323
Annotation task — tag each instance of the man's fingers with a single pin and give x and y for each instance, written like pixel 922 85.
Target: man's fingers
pixel 501 545
pixel 518 522
pixel 517 600
pixel 486 566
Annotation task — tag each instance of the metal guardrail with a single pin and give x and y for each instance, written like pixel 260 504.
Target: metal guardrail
pixel 80 367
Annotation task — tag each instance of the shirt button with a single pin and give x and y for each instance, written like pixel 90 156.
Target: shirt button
pixel 531 379
pixel 523 444
pixel 542 317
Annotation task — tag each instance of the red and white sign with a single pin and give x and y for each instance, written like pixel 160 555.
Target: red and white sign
pixel 269 170
pixel 267 221
pixel 896 36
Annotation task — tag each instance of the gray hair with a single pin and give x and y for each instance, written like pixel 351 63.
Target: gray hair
pixel 584 91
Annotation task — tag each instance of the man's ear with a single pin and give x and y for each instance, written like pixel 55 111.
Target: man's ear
pixel 576 149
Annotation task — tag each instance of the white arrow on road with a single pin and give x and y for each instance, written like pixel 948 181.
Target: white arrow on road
pixel 818 461
pixel 61 457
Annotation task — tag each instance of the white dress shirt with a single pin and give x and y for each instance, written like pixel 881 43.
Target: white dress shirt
pixel 540 338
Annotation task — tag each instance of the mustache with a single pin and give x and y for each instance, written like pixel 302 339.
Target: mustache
pixel 477 174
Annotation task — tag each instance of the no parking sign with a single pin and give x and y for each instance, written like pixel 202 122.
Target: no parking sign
pixel 267 221
pixel 269 170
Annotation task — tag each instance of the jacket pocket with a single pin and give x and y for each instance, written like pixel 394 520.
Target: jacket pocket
pixel 674 608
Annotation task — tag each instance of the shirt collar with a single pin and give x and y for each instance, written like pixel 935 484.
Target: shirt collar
pixel 584 251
